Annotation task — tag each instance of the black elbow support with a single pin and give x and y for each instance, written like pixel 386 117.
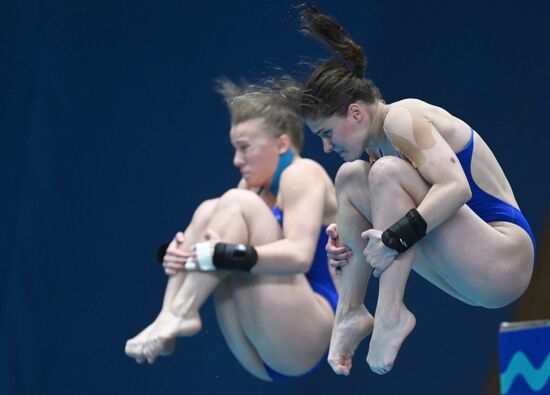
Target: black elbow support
pixel 405 232
pixel 241 257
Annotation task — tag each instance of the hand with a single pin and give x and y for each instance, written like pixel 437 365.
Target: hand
pixel 376 253
pixel 337 255
pixel 174 259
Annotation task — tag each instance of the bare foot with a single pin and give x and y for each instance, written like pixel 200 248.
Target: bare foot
pixel 349 330
pixel 388 335
pixel 162 339
pixel 134 346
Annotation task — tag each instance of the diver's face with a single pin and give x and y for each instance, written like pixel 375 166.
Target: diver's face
pixel 256 151
pixel 342 135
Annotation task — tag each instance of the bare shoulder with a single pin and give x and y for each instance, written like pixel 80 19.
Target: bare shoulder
pixel 420 107
pixel 304 166
pixel 398 119
pixel 453 130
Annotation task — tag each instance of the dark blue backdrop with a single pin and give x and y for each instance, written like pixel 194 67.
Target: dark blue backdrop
pixel 111 135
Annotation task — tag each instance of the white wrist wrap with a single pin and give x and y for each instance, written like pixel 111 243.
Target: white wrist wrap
pixel 204 261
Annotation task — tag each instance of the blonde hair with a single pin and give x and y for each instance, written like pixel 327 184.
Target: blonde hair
pixel 274 101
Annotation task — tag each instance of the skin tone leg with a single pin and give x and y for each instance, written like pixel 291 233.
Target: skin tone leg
pixel 265 304
pixel 491 274
pixel 481 264
pixel 135 346
pixel 394 322
pixel 288 323
pixel 352 322
pixel 233 333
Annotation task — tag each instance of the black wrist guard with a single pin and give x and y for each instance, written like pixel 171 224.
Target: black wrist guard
pixel 161 252
pixel 405 232
pixel 234 256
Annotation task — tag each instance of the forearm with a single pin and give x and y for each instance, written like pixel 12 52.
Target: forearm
pixel 441 202
pixel 284 257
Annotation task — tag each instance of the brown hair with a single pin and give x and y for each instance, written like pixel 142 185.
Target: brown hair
pixel 333 85
pixel 273 101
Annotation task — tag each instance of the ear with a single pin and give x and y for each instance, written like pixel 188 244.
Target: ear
pixel 284 143
pixel 356 113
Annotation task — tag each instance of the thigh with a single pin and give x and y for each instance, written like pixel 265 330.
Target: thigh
pixel 233 333
pixel 487 264
pixel 423 267
pixel 490 264
pixel 288 323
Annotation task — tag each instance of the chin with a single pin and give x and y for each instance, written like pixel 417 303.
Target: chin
pixel 251 182
pixel 348 157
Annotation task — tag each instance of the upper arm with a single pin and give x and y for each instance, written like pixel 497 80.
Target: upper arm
pixel 303 196
pixel 417 139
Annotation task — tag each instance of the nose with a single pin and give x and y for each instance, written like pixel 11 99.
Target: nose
pixel 238 159
pixel 327 145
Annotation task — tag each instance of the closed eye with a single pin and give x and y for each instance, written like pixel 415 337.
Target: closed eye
pixel 325 133
pixel 241 147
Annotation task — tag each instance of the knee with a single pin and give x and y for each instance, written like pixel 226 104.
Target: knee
pixel 239 200
pixel 204 212
pixel 386 170
pixel 232 197
pixel 352 173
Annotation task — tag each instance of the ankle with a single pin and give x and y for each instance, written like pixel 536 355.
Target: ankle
pixel 182 310
pixel 350 310
pixel 392 315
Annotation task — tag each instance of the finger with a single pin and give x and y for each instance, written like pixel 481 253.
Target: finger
pixel 339 257
pixel 331 232
pixel 173 259
pixel 367 234
pixel 339 253
pixel 180 237
pixel 334 249
pixel 174 266
pixel 182 254
pixel 175 252
pixel 170 272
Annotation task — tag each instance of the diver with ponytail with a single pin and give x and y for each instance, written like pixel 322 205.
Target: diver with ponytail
pixel 432 197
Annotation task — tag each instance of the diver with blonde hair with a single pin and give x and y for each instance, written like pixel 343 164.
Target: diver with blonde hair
pixel 259 248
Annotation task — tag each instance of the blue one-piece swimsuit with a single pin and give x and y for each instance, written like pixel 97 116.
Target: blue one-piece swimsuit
pixel 486 206
pixel 320 280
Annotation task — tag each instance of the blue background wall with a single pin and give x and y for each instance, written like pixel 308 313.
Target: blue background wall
pixel 110 135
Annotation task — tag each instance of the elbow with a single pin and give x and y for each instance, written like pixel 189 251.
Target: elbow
pixel 303 262
pixel 459 191
pixel 464 192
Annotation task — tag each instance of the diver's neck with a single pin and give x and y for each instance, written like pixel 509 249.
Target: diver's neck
pixel 378 112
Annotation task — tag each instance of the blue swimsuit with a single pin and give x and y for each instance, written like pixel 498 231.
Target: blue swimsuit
pixel 320 280
pixel 486 206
